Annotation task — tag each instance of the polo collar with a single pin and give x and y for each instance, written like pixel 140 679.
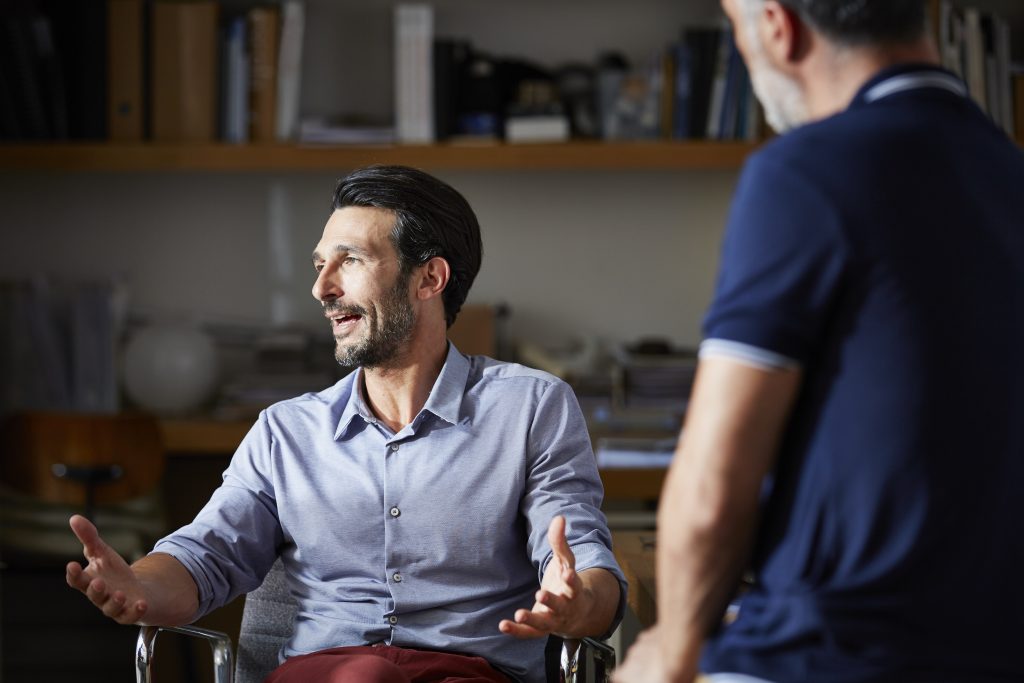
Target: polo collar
pixel 905 77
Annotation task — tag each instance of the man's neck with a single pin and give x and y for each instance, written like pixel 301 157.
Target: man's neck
pixel 398 392
pixel 837 74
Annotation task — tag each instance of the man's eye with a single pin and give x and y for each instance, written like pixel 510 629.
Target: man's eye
pixel 318 267
pixel 351 259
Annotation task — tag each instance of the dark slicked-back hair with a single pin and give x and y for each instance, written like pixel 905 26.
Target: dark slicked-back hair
pixel 863 22
pixel 431 219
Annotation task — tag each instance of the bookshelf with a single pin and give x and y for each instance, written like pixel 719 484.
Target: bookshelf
pixel 101 157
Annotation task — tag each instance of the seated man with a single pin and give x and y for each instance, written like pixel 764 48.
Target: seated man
pixel 416 502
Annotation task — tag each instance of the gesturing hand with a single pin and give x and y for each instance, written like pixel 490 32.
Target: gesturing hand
pixel 107 580
pixel 562 600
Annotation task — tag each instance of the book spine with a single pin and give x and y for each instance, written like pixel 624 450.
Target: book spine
pixel 719 88
pixel 974 54
pixel 1003 55
pixel 264 24
pixel 124 70
pixel 236 83
pixel 682 91
pixel 184 63
pixel 289 69
pixel 414 108
pixel 1018 107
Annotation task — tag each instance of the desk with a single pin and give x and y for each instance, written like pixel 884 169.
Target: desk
pixel 634 551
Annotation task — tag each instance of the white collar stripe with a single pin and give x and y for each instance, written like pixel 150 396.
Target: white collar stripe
pixel 897 84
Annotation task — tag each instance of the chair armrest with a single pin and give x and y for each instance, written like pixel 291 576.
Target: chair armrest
pixel 586 660
pixel 220 643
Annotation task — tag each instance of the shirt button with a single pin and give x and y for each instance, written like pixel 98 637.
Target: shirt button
pixel 395 511
pixel 397 577
pixel 394 447
pixel 392 619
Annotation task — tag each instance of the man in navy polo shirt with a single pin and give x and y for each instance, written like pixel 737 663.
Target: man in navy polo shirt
pixel 856 432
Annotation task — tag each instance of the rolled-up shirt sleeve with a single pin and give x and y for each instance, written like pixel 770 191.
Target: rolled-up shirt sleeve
pixel 234 540
pixel 563 480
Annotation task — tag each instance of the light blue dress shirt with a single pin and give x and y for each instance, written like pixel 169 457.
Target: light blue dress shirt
pixel 423 538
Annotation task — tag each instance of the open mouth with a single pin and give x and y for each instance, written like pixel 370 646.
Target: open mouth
pixel 343 321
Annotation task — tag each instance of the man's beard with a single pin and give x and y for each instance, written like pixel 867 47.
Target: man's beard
pixel 386 334
pixel 780 95
pixel 784 104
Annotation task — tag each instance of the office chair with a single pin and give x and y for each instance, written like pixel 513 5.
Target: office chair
pixel 267 622
pixel 53 465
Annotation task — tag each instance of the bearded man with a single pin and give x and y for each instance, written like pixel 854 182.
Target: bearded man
pixel 436 513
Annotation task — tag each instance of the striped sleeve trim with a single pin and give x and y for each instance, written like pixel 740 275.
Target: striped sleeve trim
pixel 747 354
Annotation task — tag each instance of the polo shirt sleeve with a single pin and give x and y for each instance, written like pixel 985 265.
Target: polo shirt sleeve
pixel 562 479
pixel 233 541
pixel 782 263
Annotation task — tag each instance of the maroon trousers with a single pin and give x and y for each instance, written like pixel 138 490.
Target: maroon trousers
pixel 384 664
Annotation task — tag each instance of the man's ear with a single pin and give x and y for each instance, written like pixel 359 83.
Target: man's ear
pixel 783 35
pixel 432 278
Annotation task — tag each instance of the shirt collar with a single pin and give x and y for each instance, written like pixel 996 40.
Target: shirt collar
pixel 444 401
pixel 904 77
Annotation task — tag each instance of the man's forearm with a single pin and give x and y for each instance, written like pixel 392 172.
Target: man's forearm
pixel 172 598
pixel 602 592
pixel 709 506
pixel 701 557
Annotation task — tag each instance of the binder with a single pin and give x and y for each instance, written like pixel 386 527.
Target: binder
pixel 124 70
pixel 184 71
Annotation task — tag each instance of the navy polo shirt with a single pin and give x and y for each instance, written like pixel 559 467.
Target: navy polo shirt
pixel 882 251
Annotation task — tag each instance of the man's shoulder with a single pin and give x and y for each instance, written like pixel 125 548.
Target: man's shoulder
pixel 488 371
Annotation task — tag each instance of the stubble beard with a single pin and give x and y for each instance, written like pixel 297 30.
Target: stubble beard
pixel 781 97
pixel 386 335
pixel 785 106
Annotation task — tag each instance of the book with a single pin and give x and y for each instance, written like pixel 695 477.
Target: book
pixel 537 128
pixel 1018 106
pixel 79 35
pixel 19 57
pixel 184 71
pixel 666 117
pixel 414 87
pixel 951 38
pixel 289 69
pixel 450 60
pixel 235 85
pixel 1003 77
pixel 264 31
pixel 974 57
pixel 703 46
pixel 719 88
pixel 681 91
pixel 124 70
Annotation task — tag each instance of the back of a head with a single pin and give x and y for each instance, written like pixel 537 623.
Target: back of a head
pixel 431 219
pixel 856 23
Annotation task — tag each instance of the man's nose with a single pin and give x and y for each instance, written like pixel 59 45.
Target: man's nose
pixel 327 286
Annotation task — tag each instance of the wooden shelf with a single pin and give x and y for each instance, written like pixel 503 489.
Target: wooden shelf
pixel 234 158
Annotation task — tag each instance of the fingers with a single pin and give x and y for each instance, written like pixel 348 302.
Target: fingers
pixel 527 624
pixel 559 604
pixel 76 577
pixel 86 533
pixel 114 604
pixel 559 546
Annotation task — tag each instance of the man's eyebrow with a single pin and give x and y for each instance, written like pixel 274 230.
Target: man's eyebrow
pixel 348 248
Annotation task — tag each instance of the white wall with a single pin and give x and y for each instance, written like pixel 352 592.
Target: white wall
pixel 610 254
